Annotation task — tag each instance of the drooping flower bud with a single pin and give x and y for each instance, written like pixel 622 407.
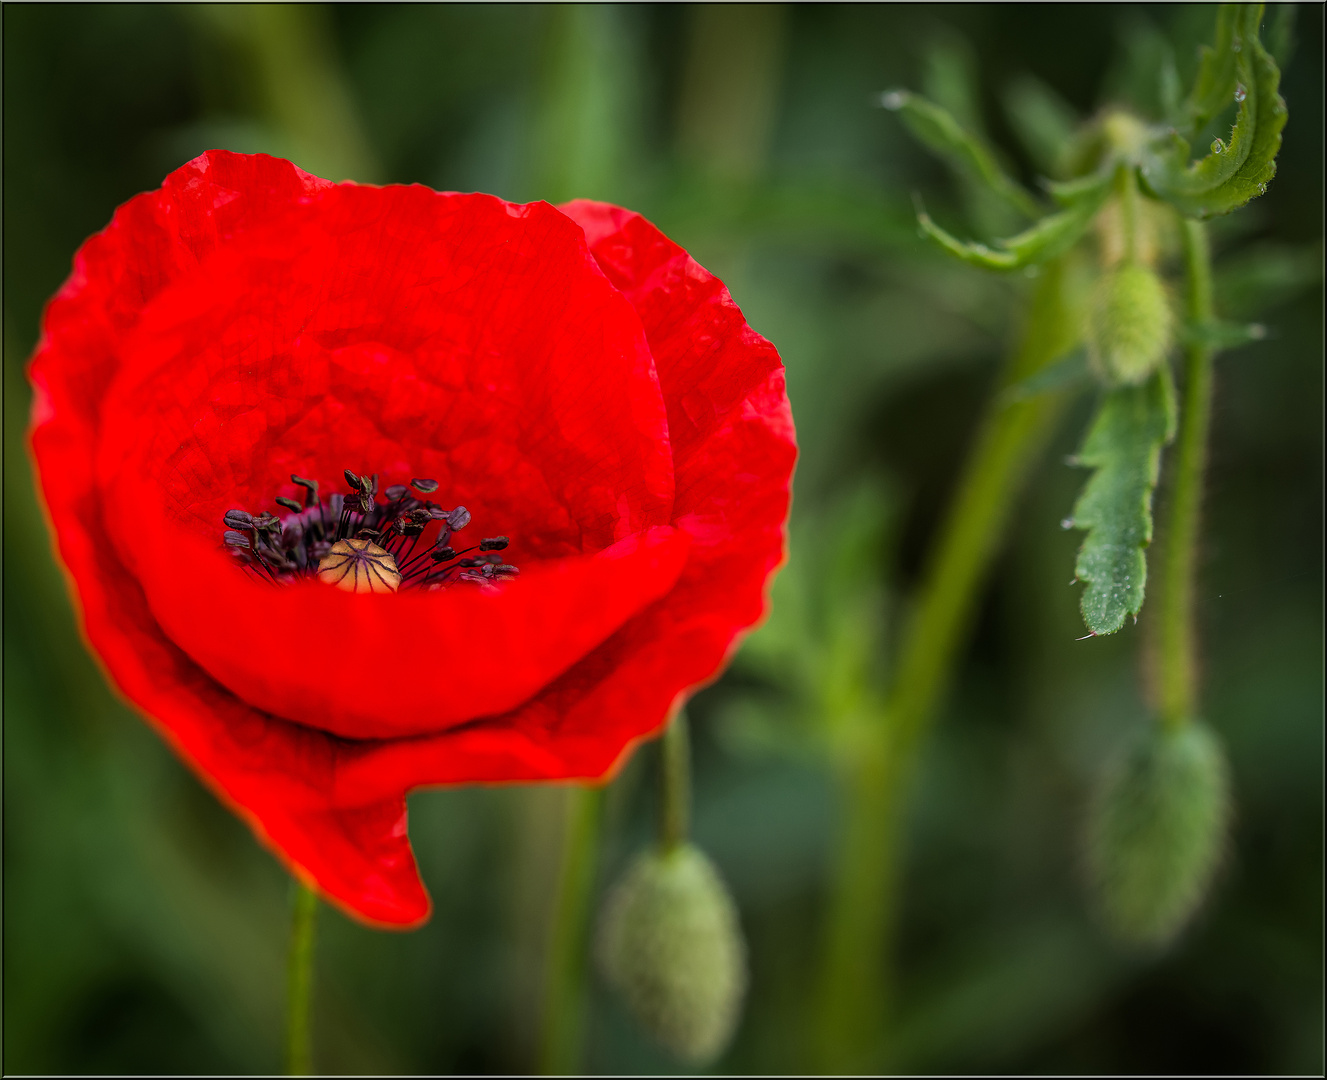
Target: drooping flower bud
pixel 670 943
pixel 1130 324
pixel 1156 832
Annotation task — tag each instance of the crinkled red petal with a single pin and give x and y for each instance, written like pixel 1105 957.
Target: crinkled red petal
pixel 734 451
pixel 334 807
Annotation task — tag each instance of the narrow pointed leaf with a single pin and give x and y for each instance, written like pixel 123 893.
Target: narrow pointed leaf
pixel 1223 335
pixel 1092 188
pixel 1123 445
pixel 1049 237
pixel 937 129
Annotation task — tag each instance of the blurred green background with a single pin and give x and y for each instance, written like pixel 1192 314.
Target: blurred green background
pixel 144 930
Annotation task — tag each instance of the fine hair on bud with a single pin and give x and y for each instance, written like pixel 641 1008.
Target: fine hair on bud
pixel 1130 324
pixel 670 943
pixel 1156 831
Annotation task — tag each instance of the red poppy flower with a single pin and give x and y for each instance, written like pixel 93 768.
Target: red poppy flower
pixel 569 376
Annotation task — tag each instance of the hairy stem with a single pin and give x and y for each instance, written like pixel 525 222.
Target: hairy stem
pixel 854 1001
pixel 675 783
pixel 1176 648
pixel 299 987
pixel 562 1030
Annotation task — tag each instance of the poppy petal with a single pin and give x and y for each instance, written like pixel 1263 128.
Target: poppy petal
pixel 651 486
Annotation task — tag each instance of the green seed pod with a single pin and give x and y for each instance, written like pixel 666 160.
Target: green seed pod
pixel 670 943
pixel 1156 832
pixel 1130 324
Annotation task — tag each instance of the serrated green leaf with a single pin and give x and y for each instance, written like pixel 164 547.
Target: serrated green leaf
pixel 938 129
pixel 1124 446
pixel 1049 237
pixel 1230 175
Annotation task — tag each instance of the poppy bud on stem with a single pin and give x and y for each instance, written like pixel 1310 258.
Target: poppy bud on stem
pixel 669 938
pixel 1130 323
pixel 1160 819
pixel 1156 831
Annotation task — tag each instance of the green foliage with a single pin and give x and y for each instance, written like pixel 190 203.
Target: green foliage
pixel 1043 121
pixel 1216 67
pixel 1130 325
pixel 822 646
pixel 1124 446
pixel 1237 68
pixel 1048 238
pixel 1156 831
pixel 670 943
pixel 1056 375
pixel 938 129
pixel 1222 335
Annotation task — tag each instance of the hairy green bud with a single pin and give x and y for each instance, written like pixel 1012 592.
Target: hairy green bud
pixel 670 943
pixel 1130 325
pixel 1156 832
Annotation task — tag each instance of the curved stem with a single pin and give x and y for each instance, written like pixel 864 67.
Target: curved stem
pixel 299 986
pixel 675 783
pixel 562 1022
pixel 854 1000
pixel 1176 652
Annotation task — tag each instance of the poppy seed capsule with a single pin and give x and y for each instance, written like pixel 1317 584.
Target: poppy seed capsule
pixel 1130 325
pixel 670 943
pixel 1156 832
pixel 359 565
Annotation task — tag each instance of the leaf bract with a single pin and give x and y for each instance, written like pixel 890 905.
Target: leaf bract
pixel 938 129
pixel 1236 172
pixel 1123 445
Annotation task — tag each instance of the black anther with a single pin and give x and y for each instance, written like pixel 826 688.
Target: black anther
pixel 426 487
pixel 238 519
pixel 289 504
pixel 494 543
pixel 458 519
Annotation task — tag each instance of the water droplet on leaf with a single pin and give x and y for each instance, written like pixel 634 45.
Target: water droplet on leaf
pixel 1240 92
pixel 1218 146
pixel 1067 523
pixel 893 100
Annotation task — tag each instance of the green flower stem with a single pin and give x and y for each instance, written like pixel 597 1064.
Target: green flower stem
pixel 562 1032
pixel 299 987
pixel 853 1007
pixel 1176 646
pixel 675 783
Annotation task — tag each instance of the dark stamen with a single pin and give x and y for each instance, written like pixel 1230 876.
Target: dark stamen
pixel 353 542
